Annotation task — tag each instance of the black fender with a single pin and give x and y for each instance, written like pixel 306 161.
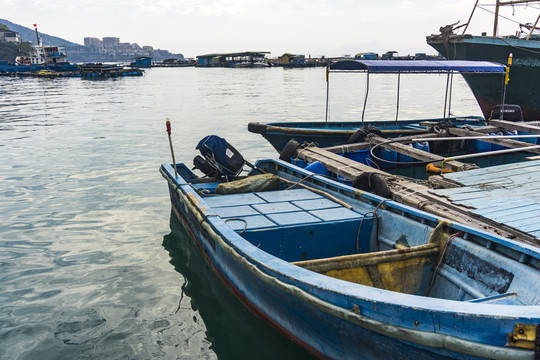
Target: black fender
pixel 372 182
pixel 361 134
pixel 289 150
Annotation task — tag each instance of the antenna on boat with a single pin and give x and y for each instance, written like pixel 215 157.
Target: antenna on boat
pixel 168 124
pixel 37 34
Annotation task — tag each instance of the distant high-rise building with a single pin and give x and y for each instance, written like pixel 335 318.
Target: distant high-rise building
pixel 91 41
pixel 111 42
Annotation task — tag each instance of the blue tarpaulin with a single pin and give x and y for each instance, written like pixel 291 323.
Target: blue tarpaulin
pixel 418 66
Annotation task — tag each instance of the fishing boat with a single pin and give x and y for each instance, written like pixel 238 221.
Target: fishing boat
pixel 347 274
pixel 53 58
pixel 329 133
pixel 523 50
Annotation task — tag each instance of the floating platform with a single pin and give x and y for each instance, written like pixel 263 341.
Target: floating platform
pixel 87 71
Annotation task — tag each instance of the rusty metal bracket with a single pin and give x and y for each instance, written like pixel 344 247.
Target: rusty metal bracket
pixel 526 336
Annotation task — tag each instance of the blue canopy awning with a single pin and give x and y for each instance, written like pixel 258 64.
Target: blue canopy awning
pixel 418 66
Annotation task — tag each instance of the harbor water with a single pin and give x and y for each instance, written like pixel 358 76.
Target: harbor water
pixel 92 264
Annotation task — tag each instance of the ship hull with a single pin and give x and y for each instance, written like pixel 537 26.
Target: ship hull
pixel 522 88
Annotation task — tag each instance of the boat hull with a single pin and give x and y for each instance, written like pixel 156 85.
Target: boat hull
pixel 524 72
pixel 326 134
pixel 365 326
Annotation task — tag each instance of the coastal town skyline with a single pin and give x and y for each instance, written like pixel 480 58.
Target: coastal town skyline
pixel 315 28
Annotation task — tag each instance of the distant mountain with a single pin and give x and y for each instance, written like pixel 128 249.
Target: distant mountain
pixel 28 34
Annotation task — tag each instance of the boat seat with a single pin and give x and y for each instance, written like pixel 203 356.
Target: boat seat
pixel 404 269
pixel 399 270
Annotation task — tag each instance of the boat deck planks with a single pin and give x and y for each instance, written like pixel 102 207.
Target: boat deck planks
pixel 506 194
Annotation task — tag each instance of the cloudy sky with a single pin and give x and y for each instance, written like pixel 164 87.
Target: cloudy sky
pixel 310 27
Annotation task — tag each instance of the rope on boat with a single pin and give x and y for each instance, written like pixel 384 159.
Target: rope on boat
pixel 238 219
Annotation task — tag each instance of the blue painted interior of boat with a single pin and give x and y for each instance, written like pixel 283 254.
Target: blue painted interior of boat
pixel 296 224
pixel 361 156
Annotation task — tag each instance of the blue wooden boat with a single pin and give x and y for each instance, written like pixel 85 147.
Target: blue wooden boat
pixel 347 274
pixel 326 134
pixel 330 133
pixel 421 156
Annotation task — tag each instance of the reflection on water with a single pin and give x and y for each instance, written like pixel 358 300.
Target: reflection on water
pixel 235 333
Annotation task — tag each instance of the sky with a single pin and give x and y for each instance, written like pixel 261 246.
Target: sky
pixel 310 27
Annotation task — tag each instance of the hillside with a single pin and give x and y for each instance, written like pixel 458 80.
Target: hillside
pixel 9 51
pixel 29 35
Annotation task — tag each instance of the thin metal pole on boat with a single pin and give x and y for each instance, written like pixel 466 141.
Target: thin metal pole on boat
pixel 397 106
pixel 450 94
pixel 495 152
pixel 327 89
pixel 168 125
pixel 446 95
pixel 365 99
pixel 479 137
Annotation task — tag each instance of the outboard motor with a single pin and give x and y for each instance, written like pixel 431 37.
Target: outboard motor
pixel 219 158
pixel 509 112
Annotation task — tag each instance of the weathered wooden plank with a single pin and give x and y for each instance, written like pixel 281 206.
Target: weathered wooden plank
pixel 514 208
pixel 509 143
pixel 521 126
pixel 491 194
pixel 500 171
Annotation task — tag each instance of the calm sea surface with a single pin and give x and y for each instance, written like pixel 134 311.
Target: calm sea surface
pixel 92 265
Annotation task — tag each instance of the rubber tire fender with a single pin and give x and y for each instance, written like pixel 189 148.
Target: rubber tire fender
pixel 288 151
pixel 361 134
pixel 372 182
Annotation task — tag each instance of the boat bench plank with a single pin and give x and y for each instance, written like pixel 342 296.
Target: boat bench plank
pixel 520 126
pixel 509 143
pixel 368 259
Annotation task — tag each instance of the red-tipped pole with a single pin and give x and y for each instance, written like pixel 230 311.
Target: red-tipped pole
pixel 168 124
